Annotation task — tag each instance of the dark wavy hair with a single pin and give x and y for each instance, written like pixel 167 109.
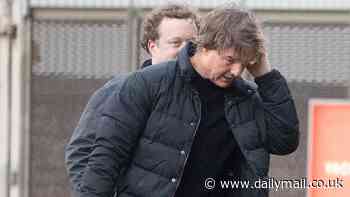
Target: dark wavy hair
pixel 232 27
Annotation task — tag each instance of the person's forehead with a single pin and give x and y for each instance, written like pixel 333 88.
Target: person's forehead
pixel 176 28
pixel 232 53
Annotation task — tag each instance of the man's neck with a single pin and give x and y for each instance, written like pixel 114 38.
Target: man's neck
pixel 195 61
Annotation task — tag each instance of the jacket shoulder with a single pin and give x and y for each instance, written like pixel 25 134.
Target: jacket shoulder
pixel 157 73
pixel 100 95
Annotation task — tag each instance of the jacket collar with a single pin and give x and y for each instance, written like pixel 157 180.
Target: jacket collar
pixel 146 63
pixel 186 69
pixel 244 87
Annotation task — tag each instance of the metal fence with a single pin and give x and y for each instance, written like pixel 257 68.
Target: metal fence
pixel 81 49
pixel 313 53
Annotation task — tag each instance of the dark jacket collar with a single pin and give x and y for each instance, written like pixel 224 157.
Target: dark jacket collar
pixel 186 69
pixel 146 63
pixel 246 88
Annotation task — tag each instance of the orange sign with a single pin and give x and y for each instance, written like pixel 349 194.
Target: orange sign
pixel 329 148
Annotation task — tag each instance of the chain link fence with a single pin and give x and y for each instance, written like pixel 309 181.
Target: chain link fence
pixel 81 49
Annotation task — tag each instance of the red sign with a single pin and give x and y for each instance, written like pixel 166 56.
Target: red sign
pixel 329 148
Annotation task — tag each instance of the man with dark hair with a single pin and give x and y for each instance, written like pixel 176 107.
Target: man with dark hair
pixel 165 32
pixel 174 125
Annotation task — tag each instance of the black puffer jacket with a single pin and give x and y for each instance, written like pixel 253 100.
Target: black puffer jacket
pixel 145 134
pixel 81 143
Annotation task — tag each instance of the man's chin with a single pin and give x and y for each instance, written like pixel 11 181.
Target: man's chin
pixel 223 84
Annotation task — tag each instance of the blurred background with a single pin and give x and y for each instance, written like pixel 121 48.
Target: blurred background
pixel 55 53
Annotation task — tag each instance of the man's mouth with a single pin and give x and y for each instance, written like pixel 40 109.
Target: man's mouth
pixel 228 77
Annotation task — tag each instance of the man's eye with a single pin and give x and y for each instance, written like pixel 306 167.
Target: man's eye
pixel 176 43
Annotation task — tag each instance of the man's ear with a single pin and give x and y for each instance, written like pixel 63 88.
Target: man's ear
pixel 152 45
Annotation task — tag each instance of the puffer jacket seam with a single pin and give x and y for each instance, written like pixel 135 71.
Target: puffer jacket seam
pixel 161 143
pixel 150 171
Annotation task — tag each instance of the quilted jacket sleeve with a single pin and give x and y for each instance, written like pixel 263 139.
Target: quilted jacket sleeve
pixel 80 144
pixel 280 117
pixel 123 119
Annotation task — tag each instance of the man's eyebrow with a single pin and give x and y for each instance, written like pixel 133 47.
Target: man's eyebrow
pixel 175 38
pixel 180 38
